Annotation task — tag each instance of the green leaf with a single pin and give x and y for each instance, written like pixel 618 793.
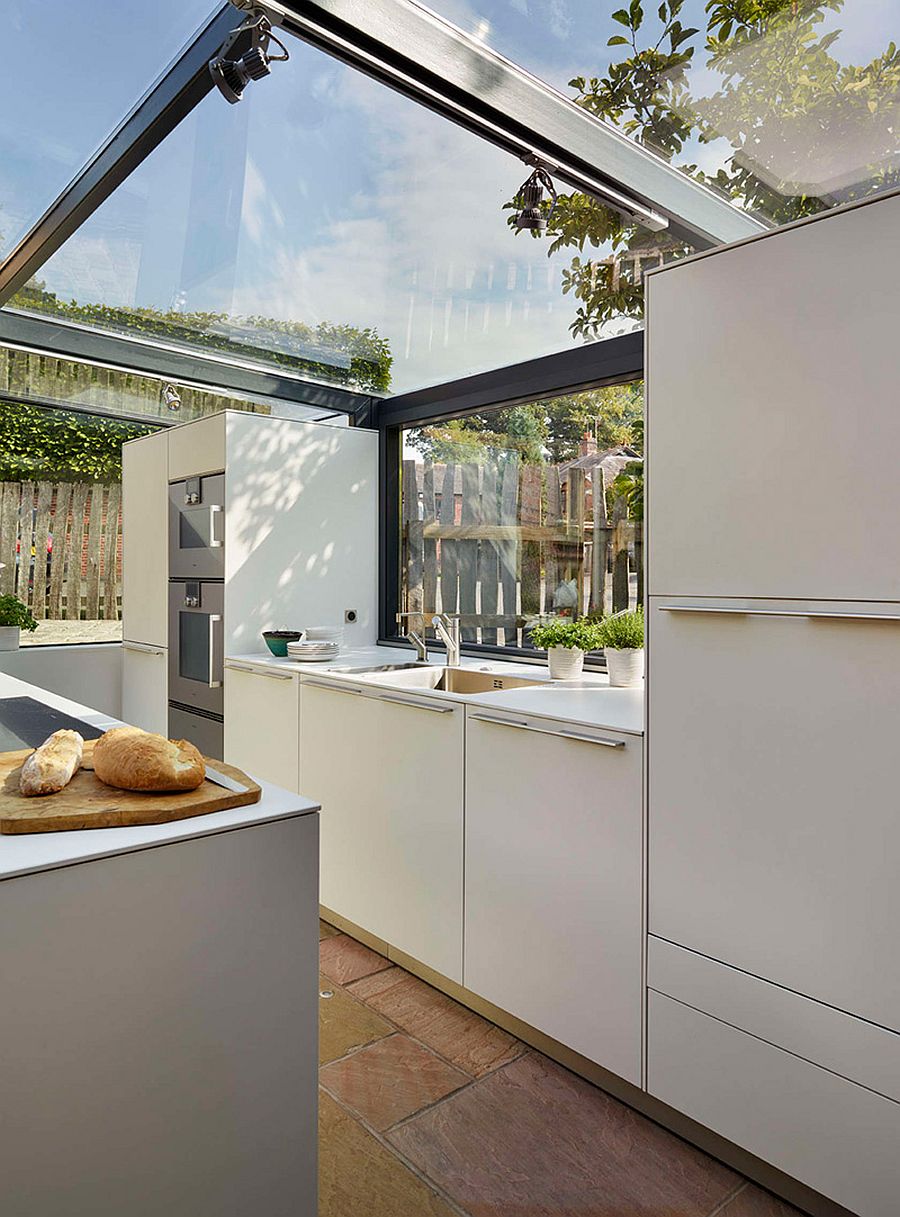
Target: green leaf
pixel 618 40
pixel 622 17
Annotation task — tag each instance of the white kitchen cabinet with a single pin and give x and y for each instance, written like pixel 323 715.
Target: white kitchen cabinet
pixel 388 771
pixel 761 482
pixel 145 555
pixel 554 881
pixel 144 684
pixel 773 824
pixel 829 1133
pixel 262 723
pixel 197 447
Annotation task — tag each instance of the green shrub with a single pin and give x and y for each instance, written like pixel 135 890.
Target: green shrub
pixel 581 634
pixel 623 631
pixel 14 612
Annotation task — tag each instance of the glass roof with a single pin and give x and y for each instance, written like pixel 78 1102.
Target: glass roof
pixel 331 226
pixel 789 110
pixel 69 78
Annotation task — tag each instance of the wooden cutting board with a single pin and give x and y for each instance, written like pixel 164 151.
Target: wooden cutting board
pixel 88 803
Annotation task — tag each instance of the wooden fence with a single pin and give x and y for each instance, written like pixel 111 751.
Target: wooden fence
pixel 494 543
pixel 61 545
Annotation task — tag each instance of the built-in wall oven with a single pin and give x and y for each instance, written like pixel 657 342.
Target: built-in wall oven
pixel 197 611
pixel 197 528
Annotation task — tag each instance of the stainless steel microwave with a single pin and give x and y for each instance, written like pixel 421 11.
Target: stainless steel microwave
pixel 197 528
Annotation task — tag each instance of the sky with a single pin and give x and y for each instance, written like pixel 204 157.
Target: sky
pixel 322 196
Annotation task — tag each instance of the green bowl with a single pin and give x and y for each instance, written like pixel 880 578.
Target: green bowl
pixel 277 640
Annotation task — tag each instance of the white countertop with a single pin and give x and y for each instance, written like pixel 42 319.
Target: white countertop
pixel 31 852
pixel 588 701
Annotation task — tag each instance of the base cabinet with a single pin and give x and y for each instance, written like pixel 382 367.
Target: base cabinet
pixel 262 724
pixel 835 1136
pixel 144 677
pixel 388 771
pixel 554 881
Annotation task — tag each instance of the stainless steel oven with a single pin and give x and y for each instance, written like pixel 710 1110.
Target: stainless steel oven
pixel 197 528
pixel 196 644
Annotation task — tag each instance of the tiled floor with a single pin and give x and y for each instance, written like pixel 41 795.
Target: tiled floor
pixel 427 1110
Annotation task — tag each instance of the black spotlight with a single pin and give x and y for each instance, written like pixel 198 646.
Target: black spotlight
pixel 232 75
pixel 530 198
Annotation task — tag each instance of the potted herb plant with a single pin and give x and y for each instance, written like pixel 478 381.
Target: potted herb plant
pixel 565 642
pixel 622 639
pixel 14 617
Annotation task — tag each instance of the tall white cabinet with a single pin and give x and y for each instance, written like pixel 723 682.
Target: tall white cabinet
pixel 773 502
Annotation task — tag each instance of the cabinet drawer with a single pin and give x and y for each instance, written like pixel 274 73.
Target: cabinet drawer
pixel 554 881
pixel 855 1049
pixel 831 1134
pixel 773 825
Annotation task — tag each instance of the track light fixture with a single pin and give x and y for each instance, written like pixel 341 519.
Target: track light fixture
pixel 171 397
pixel 530 198
pixel 232 75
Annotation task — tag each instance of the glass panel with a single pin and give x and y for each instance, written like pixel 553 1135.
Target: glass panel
pixel 60 520
pixel 787 106
pixel 522 513
pixel 193 646
pixel 71 73
pixel 50 379
pixel 332 227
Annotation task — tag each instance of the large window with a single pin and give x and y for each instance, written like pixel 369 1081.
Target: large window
pixel 532 511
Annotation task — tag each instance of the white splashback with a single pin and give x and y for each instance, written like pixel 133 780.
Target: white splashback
pixel 302 528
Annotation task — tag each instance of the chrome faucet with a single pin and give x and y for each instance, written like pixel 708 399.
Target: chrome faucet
pixel 446 626
pixel 416 637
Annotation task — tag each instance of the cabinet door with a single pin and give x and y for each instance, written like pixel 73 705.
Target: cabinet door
pixel 145 555
pixel 758 357
pixel 197 447
pixel 554 881
pixel 773 825
pixel 144 678
pixel 388 771
pixel 262 724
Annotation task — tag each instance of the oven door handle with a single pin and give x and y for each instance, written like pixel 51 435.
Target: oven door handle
pixel 216 526
pixel 216 651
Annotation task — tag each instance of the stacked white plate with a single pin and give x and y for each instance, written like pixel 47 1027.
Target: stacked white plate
pixel 325 633
pixel 313 652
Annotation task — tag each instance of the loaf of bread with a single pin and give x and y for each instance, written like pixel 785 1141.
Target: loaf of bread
pixel 131 759
pixel 53 765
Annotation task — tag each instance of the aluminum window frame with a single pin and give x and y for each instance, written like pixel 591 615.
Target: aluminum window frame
pixel 611 361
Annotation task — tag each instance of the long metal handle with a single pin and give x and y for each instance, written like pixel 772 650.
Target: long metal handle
pixel 320 684
pixel 416 705
pixel 243 667
pixel 144 648
pixel 216 517
pixel 758 612
pixel 573 735
pixel 216 661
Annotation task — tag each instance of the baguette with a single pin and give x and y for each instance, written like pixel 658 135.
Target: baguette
pixel 53 765
pixel 131 759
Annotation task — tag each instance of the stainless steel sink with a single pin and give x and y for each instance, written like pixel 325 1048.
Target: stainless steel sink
pixel 444 679
pixel 382 667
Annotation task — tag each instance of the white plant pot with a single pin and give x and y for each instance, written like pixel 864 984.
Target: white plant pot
pixel 625 668
pixel 566 663
pixel 9 638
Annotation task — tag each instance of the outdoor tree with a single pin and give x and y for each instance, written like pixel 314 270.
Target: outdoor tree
pixel 785 106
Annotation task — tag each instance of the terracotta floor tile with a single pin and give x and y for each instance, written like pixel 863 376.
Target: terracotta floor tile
pixel 344 959
pixel 534 1139
pixel 390 1080
pixel 345 1023
pixel 326 930
pixel 754 1202
pixel 358 1177
pixel 459 1035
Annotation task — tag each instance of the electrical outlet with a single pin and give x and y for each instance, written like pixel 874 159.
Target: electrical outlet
pixel 350 616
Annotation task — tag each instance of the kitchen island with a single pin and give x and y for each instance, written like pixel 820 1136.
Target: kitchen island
pixel 158 1012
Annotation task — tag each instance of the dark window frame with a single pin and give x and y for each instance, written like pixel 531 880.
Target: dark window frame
pixel 610 361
